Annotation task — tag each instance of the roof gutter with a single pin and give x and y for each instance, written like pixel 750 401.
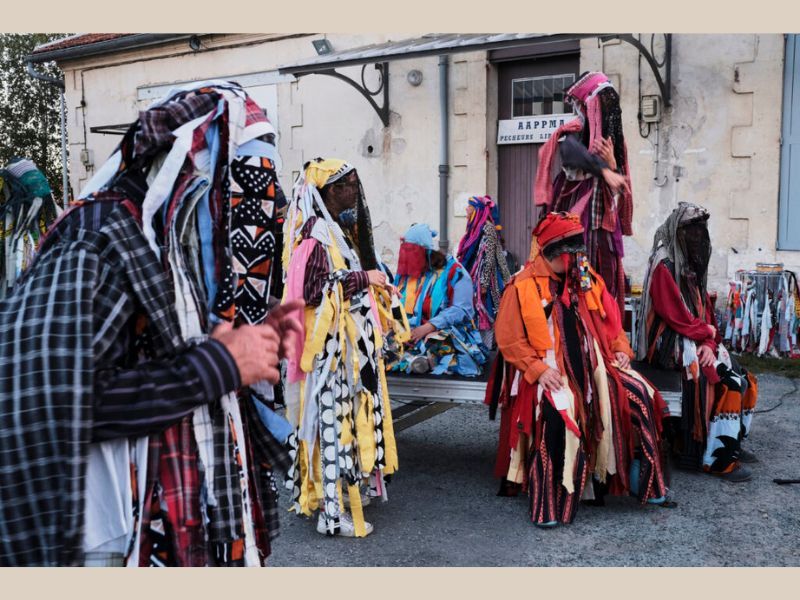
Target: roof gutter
pixel 59 83
pixel 129 42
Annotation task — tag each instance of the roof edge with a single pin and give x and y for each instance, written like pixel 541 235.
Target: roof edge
pixel 129 42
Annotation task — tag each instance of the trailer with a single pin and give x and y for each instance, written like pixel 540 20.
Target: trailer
pixel 421 397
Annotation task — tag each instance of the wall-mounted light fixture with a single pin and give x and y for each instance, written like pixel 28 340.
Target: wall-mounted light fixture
pixel 414 77
pixel 322 46
pixel 195 43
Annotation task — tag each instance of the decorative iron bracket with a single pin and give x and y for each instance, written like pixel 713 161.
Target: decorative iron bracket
pixel 363 89
pixel 121 129
pixel 664 81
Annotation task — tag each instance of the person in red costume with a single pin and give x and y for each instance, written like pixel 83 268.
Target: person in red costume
pixel 679 331
pixel 572 411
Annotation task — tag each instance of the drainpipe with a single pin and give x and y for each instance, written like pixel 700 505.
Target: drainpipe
pixel 444 147
pixel 64 170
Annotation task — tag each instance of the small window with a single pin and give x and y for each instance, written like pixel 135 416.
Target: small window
pixel 535 96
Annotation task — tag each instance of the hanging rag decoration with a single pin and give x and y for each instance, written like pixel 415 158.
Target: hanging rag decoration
pixel 27 209
pixel 762 312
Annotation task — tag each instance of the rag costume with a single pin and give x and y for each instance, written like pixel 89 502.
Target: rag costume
pixel 27 209
pixel 579 187
pixel 136 445
pixel 336 393
pixel 603 427
pixel 677 316
pixel 481 253
pixel 441 295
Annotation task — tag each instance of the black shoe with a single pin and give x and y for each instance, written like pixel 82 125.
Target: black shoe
pixel 747 457
pixel 509 488
pixel 738 475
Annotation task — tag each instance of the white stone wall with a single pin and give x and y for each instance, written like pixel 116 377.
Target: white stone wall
pixel 317 116
pixel 719 144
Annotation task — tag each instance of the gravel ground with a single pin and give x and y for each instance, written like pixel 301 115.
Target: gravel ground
pixel 443 508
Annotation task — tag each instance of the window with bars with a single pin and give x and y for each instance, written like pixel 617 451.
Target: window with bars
pixel 535 96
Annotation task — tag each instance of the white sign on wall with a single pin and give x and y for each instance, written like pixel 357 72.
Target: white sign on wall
pixel 530 130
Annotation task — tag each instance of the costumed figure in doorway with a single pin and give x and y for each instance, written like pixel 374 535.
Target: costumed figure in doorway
pixel 594 181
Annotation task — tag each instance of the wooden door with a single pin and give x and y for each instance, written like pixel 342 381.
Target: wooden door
pixel 517 162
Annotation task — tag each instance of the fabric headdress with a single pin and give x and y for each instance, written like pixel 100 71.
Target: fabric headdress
pixel 321 172
pixel 559 233
pixel 416 246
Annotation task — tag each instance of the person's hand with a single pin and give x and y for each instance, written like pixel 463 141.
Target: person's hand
pixel 377 278
pixel 286 324
pixel 604 148
pixel 421 332
pixel 623 360
pixel 615 181
pixel 393 290
pixel 713 331
pixel 705 356
pixel 254 348
pixel 550 380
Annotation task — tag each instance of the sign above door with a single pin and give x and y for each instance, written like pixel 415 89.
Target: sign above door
pixel 530 130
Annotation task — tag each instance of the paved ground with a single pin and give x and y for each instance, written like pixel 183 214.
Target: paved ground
pixel 443 510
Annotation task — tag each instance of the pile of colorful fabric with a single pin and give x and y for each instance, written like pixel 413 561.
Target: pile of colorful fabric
pixel 337 398
pixel 173 234
pixel 27 209
pixel 481 253
pixel 762 313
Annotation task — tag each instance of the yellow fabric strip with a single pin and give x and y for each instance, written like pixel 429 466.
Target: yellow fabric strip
pixel 356 510
pixel 365 432
pixel 571 447
pixel 411 294
pixel 516 468
pixel 317 328
pixel 606 463
pixel 389 444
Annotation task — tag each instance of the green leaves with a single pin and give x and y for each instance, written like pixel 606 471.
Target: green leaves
pixel 29 119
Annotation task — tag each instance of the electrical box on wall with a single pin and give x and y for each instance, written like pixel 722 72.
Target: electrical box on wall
pixel 651 109
pixel 87 158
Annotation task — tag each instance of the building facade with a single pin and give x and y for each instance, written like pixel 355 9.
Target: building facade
pixel 724 142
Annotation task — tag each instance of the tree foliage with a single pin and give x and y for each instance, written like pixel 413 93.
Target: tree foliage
pixel 30 124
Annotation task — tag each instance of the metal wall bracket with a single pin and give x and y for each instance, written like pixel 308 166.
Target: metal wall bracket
pixel 121 129
pixel 664 80
pixel 363 89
